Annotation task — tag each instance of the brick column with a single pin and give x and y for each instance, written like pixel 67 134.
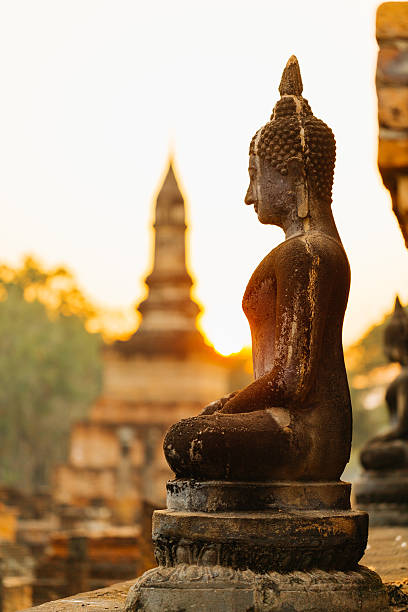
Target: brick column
pixel 77 568
pixel 392 91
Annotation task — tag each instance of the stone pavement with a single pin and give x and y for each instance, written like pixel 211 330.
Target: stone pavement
pixel 387 554
pixel 111 599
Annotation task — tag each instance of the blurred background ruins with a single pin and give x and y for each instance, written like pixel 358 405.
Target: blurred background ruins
pixel 126 315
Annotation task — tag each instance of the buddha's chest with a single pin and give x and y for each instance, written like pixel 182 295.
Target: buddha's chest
pixel 259 305
pixel 259 302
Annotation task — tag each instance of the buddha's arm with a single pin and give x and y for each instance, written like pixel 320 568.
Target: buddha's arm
pixel 304 282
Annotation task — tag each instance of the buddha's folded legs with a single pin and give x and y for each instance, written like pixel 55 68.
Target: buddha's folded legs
pixel 249 446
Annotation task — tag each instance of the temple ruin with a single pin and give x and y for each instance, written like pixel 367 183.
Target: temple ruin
pixel 164 372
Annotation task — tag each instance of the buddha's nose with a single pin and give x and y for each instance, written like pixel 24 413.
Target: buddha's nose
pixel 249 198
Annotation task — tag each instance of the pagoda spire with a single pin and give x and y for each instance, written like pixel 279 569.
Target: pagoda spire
pixel 168 312
pixel 168 305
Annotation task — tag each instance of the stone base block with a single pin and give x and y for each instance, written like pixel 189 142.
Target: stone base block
pixel 221 589
pixel 224 496
pixel 384 495
pixel 386 515
pixel 261 541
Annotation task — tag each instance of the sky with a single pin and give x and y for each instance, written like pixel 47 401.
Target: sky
pixel 96 92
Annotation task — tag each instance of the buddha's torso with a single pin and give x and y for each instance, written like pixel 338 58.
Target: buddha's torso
pixel 326 409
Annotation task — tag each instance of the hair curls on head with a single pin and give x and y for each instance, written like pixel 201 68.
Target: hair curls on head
pixel 293 131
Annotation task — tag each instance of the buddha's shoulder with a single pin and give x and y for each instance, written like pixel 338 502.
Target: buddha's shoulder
pixel 310 245
pixel 299 253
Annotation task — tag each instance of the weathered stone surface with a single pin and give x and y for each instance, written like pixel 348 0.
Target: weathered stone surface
pixel 393 107
pixel 392 20
pixel 392 90
pixel 215 588
pixel 261 541
pixel 223 496
pixel 111 599
pixel 402 195
pixel 392 152
pixel 392 64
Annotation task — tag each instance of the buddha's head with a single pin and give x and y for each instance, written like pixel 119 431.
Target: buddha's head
pixel 291 158
pixel 396 335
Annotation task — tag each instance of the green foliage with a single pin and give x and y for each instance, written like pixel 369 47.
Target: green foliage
pixel 50 370
pixel 368 353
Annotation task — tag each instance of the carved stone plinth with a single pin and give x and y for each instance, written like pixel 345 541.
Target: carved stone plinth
pixel 261 541
pixel 278 526
pixel 384 495
pixel 220 589
pixel 258 546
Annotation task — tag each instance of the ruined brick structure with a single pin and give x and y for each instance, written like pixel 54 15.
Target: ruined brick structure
pixel 15 565
pixel 163 373
pixel 392 91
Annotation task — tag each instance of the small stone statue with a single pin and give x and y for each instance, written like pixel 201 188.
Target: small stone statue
pixel 294 421
pixel 382 489
pixel 390 450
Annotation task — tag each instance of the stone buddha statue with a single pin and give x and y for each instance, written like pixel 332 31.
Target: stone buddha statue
pixel 293 422
pixel 390 450
pixel 257 518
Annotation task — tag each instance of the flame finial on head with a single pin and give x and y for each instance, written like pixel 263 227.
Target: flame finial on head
pixel 291 81
pixel 397 306
pixel 396 334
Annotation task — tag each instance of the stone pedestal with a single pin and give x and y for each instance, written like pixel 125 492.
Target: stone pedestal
pixel 384 495
pixel 258 546
pixel 191 587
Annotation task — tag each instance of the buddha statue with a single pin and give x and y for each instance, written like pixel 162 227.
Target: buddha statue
pixel 389 451
pixel 293 422
pixel 257 518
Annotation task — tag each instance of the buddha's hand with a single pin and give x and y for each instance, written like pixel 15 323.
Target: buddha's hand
pixel 217 405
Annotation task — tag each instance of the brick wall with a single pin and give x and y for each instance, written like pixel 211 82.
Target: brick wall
pixel 392 91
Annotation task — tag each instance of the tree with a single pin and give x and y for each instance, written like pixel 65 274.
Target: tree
pixel 50 369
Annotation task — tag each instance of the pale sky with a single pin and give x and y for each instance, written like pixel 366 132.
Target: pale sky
pixel 95 92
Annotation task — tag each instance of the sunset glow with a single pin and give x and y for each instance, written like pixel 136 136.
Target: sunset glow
pixel 101 90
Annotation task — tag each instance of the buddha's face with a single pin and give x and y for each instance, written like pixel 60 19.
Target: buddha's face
pixel 272 194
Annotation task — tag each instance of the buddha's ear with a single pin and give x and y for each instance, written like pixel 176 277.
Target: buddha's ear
pixel 296 170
